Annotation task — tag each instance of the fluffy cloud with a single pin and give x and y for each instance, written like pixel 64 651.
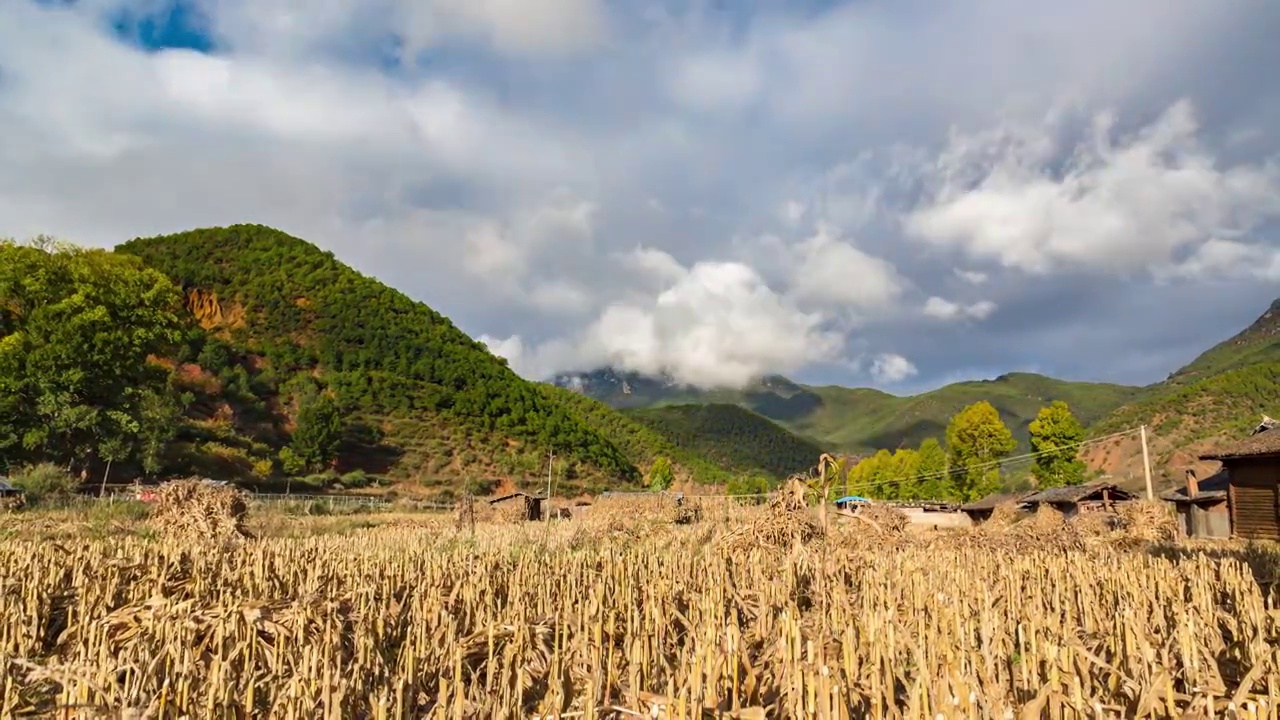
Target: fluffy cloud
pixel 715 324
pixel 891 369
pixel 936 307
pixel 713 191
pixel 1121 204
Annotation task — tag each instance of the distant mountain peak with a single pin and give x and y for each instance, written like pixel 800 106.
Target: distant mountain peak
pixel 1267 324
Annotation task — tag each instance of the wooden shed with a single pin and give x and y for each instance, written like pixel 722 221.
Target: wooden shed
pixel 1075 499
pixel 1253 483
pixel 979 511
pixel 532 504
pixel 1202 506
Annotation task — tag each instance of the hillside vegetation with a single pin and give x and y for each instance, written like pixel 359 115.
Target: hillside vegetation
pixel 431 402
pixel 732 437
pixel 643 442
pixel 1217 398
pixel 863 420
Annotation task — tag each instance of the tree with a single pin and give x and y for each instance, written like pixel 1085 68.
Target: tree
pixel 904 483
pixel 318 433
pixel 1055 437
pixel 660 474
pixel 931 469
pixel 78 329
pixel 976 439
pixel 748 489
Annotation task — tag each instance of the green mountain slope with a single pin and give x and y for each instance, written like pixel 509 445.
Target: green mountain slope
pixel 732 437
pixel 1216 398
pixel 641 441
pixel 861 420
pixel 436 404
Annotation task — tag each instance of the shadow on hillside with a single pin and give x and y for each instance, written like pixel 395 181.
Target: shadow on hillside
pixel 910 436
pixel 785 409
pixel 364 448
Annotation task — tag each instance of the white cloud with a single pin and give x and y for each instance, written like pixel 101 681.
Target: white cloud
pixel 831 272
pixel 557 28
pixel 942 309
pixel 715 81
pixel 717 325
pixel 576 180
pixel 1219 259
pixel 890 368
pixel 973 277
pixel 1121 205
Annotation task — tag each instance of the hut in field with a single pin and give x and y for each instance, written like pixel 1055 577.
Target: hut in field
pixel 979 511
pixel 933 515
pixel 1253 482
pixel 1202 506
pixel 1073 500
pixel 519 505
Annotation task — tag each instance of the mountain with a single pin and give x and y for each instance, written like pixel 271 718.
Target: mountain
pixel 732 437
pixel 1216 398
pixel 276 320
pixel 862 420
pixel 643 441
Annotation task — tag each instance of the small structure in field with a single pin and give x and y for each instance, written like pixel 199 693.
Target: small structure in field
pixel 1202 506
pixel 933 515
pixel 850 502
pixel 980 511
pixel 1073 500
pixel 11 498
pixel 1253 482
pixel 528 507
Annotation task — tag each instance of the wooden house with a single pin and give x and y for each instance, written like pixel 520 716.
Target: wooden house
pixel 1072 500
pixel 1202 506
pixel 1253 483
pixel 979 511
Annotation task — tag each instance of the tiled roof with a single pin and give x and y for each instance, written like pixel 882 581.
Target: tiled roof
pixel 1266 442
pixel 1076 493
pixel 990 502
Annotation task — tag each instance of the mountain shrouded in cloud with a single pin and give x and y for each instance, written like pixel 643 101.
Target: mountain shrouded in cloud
pixel 897 194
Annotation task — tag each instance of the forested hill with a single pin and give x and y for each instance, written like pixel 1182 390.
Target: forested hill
pixel 294 315
pixel 732 437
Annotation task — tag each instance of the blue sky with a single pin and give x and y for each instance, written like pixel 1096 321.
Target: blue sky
pixel 896 194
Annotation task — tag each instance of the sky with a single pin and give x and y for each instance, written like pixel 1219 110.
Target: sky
pixel 896 194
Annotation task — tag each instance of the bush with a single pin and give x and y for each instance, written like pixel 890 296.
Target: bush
pixel 45 481
pixel 748 489
pixel 264 468
pixel 356 479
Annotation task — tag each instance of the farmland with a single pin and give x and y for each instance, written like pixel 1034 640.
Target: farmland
pixel 621 613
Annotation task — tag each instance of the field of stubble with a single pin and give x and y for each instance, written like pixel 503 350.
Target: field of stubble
pixel 619 616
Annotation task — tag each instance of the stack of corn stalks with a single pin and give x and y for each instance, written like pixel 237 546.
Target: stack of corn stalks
pixel 199 511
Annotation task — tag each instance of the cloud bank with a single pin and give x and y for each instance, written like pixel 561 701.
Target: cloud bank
pixel 894 194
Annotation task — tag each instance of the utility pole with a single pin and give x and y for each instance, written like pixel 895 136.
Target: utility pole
pixel 551 458
pixel 1146 462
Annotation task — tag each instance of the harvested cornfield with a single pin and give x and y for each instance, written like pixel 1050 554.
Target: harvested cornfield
pixel 200 511
pixel 546 620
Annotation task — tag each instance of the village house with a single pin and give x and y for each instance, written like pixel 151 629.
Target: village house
pixel 1202 506
pixel 1252 467
pixel 1072 500
pixel 979 511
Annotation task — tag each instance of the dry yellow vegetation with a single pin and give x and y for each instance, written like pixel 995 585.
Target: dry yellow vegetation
pixel 618 617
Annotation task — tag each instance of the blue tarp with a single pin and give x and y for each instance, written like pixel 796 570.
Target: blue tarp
pixel 852 499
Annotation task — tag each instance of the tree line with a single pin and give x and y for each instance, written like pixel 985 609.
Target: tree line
pixel 968 467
